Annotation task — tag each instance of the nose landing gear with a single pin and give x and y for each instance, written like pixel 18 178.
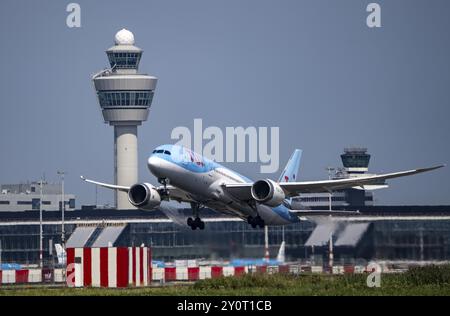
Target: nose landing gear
pixel 164 193
pixel 255 221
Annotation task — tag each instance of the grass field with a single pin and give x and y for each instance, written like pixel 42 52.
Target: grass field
pixel 432 280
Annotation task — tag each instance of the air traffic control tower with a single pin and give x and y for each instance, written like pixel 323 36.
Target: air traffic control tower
pixel 125 98
pixel 355 160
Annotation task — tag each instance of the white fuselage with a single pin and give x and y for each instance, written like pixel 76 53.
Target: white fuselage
pixel 205 186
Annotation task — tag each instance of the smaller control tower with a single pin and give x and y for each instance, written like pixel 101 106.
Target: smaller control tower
pixel 356 164
pixel 125 98
pixel 355 160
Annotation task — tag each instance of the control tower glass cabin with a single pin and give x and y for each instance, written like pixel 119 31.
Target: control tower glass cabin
pixel 355 160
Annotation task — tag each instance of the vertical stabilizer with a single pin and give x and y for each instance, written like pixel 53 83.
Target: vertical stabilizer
pixel 289 173
pixel 61 254
pixel 281 257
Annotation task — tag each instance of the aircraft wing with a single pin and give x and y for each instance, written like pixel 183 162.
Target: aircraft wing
pixel 307 213
pixel 174 193
pixel 242 191
pixel 107 185
pixel 177 194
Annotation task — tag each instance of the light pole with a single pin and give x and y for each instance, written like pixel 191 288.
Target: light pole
pixel 330 254
pixel 266 243
pixel 329 169
pixel 63 206
pixel 40 227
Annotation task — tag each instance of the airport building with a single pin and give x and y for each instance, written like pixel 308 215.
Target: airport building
pixel 26 196
pixel 420 233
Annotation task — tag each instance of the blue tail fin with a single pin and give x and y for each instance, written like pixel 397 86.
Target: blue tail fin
pixel 289 173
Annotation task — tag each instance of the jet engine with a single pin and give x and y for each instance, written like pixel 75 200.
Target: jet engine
pixel 268 192
pixel 144 196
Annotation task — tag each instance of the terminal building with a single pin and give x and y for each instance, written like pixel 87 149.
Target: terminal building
pixel 417 233
pixel 26 196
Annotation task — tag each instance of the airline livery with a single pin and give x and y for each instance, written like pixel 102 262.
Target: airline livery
pixel 186 176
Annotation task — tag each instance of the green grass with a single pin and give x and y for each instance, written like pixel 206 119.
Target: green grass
pixel 432 280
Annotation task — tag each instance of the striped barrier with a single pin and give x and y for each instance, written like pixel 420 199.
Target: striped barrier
pixel 108 267
pixel 123 267
pixel 205 273
pixel 349 269
pixel 21 276
pixel 169 274
pixel 216 272
pixel 193 273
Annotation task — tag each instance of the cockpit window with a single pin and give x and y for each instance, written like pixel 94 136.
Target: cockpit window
pixel 167 152
pixel 160 151
pixel 154 151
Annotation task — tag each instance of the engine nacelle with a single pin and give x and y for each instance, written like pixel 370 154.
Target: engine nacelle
pixel 268 192
pixel 144 196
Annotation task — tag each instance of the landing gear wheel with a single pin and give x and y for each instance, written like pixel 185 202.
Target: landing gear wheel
pixel 256 221
pixel 163 181
pixel 196 223
pixel 199 223
pixel 260 222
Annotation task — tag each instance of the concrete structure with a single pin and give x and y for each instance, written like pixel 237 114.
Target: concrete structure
pixel 125 98
pixel 26 196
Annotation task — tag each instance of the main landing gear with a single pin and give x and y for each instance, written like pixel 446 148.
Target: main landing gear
pixel 197 222
pixel 256 221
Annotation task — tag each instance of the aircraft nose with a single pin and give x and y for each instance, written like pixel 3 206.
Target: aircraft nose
pixel 153 164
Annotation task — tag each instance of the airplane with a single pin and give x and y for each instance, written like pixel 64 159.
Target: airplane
pixel 10 266
pixel 186 176
pixel 280 259
pixel 61 254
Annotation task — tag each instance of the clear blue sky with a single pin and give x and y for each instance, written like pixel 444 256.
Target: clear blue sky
pixel 311 67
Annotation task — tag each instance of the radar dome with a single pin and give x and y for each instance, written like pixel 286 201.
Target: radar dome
pixel 124 37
